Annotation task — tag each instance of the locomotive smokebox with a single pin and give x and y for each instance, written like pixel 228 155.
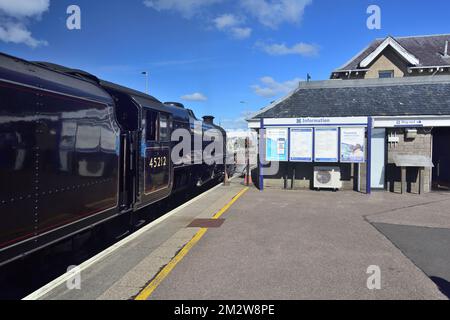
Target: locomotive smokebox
pixel 208 119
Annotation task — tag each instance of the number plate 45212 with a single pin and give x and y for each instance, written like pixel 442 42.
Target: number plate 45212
pixel 157 162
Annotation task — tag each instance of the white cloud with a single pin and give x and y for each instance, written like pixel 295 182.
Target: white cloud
pixel 226 21
pixel 241 33
pixel 272 13
pixel 232 25
pixel 187 8
pixel 303 49
pixel 270 88
pixel 14 17
pixel 199 97
pixel 17 33
pixel 24 8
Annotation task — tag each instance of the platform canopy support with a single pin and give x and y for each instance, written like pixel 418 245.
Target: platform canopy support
pixel 262 155
pixel 369 156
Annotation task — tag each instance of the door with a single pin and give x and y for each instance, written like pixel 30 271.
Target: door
pixel 129 183
pixel 441 158
pixel 156 150
pixel 378 159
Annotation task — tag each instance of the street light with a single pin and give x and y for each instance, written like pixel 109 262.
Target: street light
pixel 145 73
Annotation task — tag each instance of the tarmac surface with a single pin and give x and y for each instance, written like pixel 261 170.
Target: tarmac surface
pixel 281 244
pixel 428 248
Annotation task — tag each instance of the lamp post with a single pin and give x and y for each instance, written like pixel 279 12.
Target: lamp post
pixel 145 73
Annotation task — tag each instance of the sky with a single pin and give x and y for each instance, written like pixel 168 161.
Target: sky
pixel 225 58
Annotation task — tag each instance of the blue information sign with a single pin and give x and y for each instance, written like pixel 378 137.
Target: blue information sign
pixel 277 144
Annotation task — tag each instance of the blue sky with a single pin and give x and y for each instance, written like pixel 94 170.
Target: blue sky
pixel 210 54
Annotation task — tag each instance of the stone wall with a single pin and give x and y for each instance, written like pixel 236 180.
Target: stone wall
pixel 304 175
pixel 421 145
pixel 389 60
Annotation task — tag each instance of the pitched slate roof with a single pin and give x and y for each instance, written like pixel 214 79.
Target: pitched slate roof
pixel 425 95
pixel 428 49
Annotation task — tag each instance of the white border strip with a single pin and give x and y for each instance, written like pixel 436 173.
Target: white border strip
pixel 85 265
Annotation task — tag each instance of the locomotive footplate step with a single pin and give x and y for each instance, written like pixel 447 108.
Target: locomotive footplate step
pixel 122 271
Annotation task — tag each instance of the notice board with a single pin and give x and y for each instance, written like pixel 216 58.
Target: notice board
pixel 301 145
pixel 326 142
pixel 277 144
pixel 353 145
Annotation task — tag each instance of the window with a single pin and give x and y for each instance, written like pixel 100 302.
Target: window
pixel 164 127
pixel 386 74
pixel 151 122
pixel 157 126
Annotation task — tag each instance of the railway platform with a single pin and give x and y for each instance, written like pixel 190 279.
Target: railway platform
pixel 123 270
pixel 273 245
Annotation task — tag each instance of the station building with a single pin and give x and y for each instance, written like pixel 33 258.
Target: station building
pixel 382 122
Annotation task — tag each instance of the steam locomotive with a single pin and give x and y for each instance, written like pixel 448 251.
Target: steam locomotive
pixel 77 151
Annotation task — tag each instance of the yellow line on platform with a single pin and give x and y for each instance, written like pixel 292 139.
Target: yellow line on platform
pixel 229 204
pixel 153 285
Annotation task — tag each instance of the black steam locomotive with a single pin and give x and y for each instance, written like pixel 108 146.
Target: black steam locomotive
pixel 77 151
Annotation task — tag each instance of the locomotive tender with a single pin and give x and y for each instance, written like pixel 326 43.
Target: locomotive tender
pixel 76 151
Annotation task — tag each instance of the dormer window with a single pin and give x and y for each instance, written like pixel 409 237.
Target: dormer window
pixel 386 74
pixel 446 53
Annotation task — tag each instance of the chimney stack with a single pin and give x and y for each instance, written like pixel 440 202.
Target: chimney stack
pixel 208 119
pixel 446 50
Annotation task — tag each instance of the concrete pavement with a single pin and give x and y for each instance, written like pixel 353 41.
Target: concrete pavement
pixel 124 273
pixel 284 245
pixel 301 245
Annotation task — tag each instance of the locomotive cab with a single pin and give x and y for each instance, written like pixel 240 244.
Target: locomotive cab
pixel 147 172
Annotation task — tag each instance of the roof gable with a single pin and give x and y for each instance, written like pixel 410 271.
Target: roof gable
pixel 429 50
pixel 389 41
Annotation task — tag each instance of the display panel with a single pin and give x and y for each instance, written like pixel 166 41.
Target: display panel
pixel 301 145
pixel 277 144
pixel 326 145
pixel 353 145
